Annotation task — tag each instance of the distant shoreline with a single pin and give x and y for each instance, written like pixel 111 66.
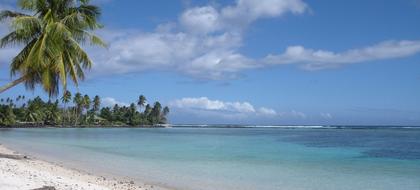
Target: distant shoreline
pixel 84 126
pixel 320 127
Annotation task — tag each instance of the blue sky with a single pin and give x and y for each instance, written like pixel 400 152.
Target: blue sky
pixel 258 62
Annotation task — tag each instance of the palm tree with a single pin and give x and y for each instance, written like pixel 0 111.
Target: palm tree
pixel 164 114
pixel 51 112
pixel 141 101
pixel 51 37
pixel 147 110
pixel 66 99
pixel 78 102
pixel 34 111
pixel 165 111
pixel 131 113
pixel 155 114
pixel 86 102
pixel 86 105
pixel 96 103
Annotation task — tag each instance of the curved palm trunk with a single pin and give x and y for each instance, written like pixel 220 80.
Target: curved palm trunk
pixel 12 84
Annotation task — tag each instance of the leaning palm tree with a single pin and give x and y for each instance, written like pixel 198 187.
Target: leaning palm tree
pixel 51 37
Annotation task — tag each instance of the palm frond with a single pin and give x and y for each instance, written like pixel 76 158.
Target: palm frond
pixel 10 14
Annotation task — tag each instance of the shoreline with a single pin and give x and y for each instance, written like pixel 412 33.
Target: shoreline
pixel 20 171
pixel 84 126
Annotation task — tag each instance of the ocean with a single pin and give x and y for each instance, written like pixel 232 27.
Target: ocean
pixel 236 157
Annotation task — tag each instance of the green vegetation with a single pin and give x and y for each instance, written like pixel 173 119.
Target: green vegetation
pixel 78 110
pixel 51 38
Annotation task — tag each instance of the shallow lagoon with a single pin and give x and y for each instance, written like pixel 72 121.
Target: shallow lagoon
pixel 236 158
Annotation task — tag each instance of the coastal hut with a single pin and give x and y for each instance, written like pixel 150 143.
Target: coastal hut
pixel 99 120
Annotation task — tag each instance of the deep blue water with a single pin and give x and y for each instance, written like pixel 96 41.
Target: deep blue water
pixel 267 158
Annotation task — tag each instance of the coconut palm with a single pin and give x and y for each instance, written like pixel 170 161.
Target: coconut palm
pixel 96 103
pixel 51 37
pixel 65 100
pixel 34 111
pixel 86 102
pixel 86 105
pixel 165 111
pixel 141 102
pixel 78 106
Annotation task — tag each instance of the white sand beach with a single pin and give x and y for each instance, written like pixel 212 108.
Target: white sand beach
pixel 20 172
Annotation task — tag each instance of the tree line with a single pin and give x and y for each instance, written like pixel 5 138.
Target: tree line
pixel 79 110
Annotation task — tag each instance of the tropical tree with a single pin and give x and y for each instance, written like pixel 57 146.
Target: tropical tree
pixel 65 100
pixel 78 106
pixel 131 113
pixel 106 113
pixel 51 113
pixel 147 110
pixel 155 115
pixel 141 101
pixel 96 103
pixel 85 111
pixel 86 105
pixel 51 37
pixel 7 117
pixel 86 102
pixel 165 111
pixel 34 112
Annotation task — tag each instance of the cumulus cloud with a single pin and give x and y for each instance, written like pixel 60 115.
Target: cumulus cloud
pixel 207 19
pixel 204 105
pixel 201 19
pixel 322 59
pixel 110 102
pixel 267 111
pixel 247 11
pixel 203 43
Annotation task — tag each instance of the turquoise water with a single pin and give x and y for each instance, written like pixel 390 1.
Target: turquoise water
pixel 236 158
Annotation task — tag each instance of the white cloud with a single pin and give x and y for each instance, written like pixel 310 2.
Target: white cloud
pixel 322 59
pixel 225 109
pixel 203 44
pixel 267 111
pixel 326 115
pixel 208 19
pixel 204 103
pixel 201 19
pixel 206 40
pixel 247 11
pixel 205 107
pixel 110 102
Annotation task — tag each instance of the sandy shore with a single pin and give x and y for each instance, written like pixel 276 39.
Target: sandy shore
pixel 20 172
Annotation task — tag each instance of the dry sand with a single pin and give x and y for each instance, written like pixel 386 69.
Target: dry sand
pixel 19 172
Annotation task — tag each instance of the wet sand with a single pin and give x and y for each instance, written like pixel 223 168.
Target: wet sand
pixel 21 172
